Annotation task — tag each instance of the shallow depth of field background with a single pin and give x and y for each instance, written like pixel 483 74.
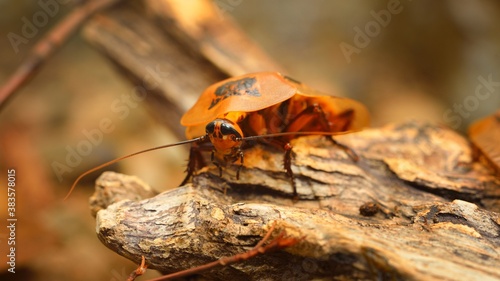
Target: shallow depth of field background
pixel 423 63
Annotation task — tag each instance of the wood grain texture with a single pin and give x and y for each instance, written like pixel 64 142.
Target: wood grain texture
pixel 427 227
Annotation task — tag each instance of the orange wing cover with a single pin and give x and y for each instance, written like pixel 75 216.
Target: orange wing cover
pixel 246 93
pixel 252 92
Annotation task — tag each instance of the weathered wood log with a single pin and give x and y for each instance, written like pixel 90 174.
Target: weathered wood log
pixel 172 50
pixel 416 206
pixel 435 216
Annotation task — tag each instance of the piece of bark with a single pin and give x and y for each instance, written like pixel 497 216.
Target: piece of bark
pixel 204 28
pixel 115 188
pixel 437 213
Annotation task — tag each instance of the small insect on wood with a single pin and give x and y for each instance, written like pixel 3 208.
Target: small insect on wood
pixel 264 105
pixel 267 108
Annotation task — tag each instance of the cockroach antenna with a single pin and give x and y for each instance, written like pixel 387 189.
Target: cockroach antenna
pixel 199 139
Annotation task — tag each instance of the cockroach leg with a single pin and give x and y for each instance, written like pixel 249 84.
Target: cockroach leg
pixel 326 125
pixel 317 112
pixel 216 164
pixel 195 162
pixel 287 162
pixel 349 151
pixel 240 155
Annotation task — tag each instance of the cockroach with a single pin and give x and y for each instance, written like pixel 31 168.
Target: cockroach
pixel 265 107
pixel 485 137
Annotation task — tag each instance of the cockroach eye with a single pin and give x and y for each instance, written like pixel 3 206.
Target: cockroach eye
pixel 210 128
pixel 228 130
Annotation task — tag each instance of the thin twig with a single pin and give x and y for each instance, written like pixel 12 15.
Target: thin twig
pixel 47 46
pixel 139 271
pixel 279 242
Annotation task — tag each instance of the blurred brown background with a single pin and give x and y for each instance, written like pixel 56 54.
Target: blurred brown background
pixel 425 60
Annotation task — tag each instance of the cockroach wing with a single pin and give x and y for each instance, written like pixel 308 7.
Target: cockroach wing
pixel 338 107
pixel 345 108
pixel 245 93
